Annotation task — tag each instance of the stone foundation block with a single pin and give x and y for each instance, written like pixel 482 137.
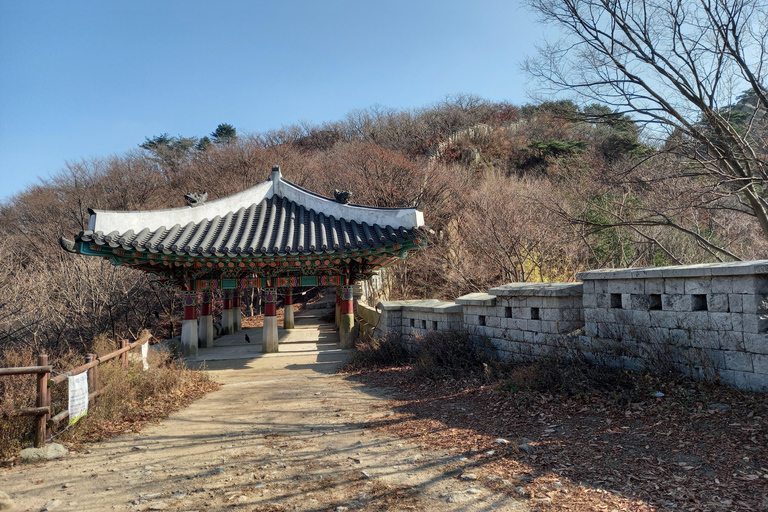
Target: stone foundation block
pixel 735 302
pixel 739 361
pixel 698 285
pixel 717 302
pixel 722 284
pixel 756 343
pixel 755 324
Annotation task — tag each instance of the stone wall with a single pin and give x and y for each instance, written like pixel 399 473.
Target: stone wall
pixel 709 321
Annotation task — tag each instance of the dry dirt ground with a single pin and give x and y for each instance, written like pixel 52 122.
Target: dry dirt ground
pixel 285 432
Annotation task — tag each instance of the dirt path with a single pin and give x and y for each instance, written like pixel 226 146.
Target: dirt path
pixel 283 433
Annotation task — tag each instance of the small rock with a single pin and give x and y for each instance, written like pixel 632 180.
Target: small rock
pixel 341 508
pixel 658 394
pixel 521 492
pixel 160 505
pixel 66 486
pixel 457 497
pixel 470 477
pixel 6 503
pixel 51 505
pixel 491 452
pixel 719 407
pixel 474 490
pixel 501 441
pixel 493 478
pixel 48 452
pixel 365 474
pixel 138 448
pixel 527 448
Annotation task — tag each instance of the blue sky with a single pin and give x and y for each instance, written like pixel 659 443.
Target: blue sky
pixel 86 79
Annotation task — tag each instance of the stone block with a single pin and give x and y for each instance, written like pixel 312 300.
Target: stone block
pixel 737 322
pixel 750 284
pixel 655 286
pixel 636 286
pixel 755 303
pixel 515 335
pixel 720 322
pixel 626 301
pixel 698 285
pixel 717 302
pixel 551 314
pixel 640 302
pixel 528 336
pixel 695 320
pixel 533 325
pixel 755 324
pixel 640 318
pixel 590 329
pixel 589 300
pixel 704 339
pixel 756 343
pixel 492 321
pixel 760 363
pixel 666 319
pixel 735 302
pixel 738 361
pixel 602 286
pixel 730 340
pixel 674 286
pixel 722 284
pixel 679 337
pixel 588 287
pixel 602 300
pixel 676 302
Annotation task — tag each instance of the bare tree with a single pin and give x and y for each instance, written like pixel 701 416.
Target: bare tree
pixel 681 69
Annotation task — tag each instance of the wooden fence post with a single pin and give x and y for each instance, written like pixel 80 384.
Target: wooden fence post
pixel 40 401
pixel 93 374
pixel 124 355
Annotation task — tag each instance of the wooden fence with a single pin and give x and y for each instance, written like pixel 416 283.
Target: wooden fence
pixel 42 411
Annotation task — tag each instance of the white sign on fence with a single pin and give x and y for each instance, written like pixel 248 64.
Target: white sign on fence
pixel 144 353
pixel 78 397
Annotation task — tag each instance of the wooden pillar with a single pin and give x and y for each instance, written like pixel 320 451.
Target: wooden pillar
pixel 124 355
pixel 269 331
pixel 189 324
pixel 227 326
pixel 338 306
pixel 93 374
pixel 205 327
pixel 288 322
pixel 237 317
pixel 43 399
pixel 346 317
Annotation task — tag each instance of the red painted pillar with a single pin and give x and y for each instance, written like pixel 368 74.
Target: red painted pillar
pixel 346 316
pixel 236 312
pixel 269 331
pixel 288 322
pixel 227 325
pixel 205 325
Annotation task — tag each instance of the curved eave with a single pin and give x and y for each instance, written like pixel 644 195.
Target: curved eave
pixel 108 221
pixel 283 263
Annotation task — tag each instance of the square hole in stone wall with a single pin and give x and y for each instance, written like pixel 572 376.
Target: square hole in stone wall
pixel 699 302
pixel 616 300
pixel 434 325
pixel 507 312
pixel 413 322
pixel 481 319
pixel 423 324
pixel 654 302
pixel 534 313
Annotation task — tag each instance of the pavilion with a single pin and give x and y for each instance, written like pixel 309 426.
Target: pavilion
pixel 275 235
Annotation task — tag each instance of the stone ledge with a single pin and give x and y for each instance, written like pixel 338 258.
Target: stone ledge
pixel 538 290
pixel 476 299
pixel 425 306
pixel 738 268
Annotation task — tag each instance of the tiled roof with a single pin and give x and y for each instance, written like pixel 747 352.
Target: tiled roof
pixel 275 226
pixel 272 218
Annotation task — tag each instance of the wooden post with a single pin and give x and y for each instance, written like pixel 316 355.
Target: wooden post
pixel 124 355
pixel 93 374
pixel 40 401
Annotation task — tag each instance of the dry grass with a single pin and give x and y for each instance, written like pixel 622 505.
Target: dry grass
pixel 129 400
